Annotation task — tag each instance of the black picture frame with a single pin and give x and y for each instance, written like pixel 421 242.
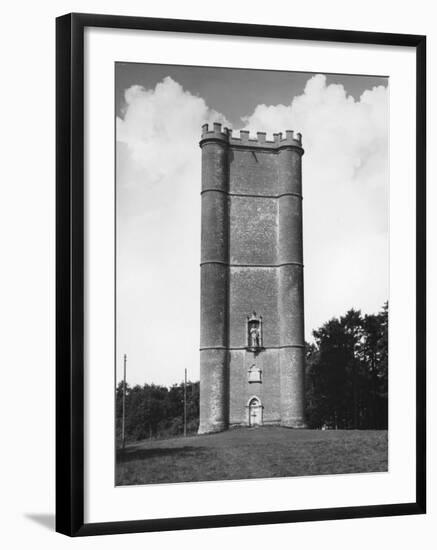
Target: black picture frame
pixel 70 273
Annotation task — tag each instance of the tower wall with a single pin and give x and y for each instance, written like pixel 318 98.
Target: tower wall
pixel 214 286
pixel 251 261
pixel 290 291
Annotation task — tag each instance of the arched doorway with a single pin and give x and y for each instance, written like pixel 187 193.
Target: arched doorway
pixel 255 412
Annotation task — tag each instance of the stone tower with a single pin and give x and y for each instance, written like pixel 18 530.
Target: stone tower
pixel 252 355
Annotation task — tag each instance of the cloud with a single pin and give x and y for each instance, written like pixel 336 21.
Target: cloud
pixel 158 230
pixel 345 187
pixel 159 125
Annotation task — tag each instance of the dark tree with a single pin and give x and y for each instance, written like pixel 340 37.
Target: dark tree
pixel 347 378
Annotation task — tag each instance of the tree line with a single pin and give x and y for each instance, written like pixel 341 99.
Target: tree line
pixel 347 372
pixel 346 384
pixel 156 411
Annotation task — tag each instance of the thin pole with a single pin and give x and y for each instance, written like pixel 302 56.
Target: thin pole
pixel 150 412
pixel 185 404
pixel 124 403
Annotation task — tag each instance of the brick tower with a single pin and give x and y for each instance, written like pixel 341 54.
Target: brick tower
pixel 252 355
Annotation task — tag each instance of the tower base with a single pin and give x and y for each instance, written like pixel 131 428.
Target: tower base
pixel 207 428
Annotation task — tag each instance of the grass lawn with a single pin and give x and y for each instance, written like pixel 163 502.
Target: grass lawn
pixel 252 453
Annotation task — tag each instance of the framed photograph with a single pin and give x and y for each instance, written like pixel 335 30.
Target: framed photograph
pixel 240 274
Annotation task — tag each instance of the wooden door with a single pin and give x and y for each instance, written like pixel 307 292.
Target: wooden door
pixel 255 412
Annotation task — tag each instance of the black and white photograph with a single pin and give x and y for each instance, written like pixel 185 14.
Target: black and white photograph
pixel 218 251
pixel 252 273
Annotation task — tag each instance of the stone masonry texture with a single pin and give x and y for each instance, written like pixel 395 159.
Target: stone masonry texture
pixel 251 261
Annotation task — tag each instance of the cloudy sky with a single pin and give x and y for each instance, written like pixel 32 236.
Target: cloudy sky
pixel 160 109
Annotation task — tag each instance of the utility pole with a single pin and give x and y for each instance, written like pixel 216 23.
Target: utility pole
pixel 124 403
pixel 185 404
pixel 150 412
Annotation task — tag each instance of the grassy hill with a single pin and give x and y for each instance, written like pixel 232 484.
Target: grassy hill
pixel 253 453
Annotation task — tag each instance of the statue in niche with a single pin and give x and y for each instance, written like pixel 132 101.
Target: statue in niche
pixel 254 332
pixel 254 337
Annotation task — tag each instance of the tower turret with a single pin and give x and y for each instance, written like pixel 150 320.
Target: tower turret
pixel 290 286
pixel 214 280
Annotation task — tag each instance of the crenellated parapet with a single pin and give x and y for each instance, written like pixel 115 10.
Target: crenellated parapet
pixel 225 135
pixel 216 133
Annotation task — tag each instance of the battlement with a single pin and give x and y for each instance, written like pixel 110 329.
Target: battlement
pixel 225 134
